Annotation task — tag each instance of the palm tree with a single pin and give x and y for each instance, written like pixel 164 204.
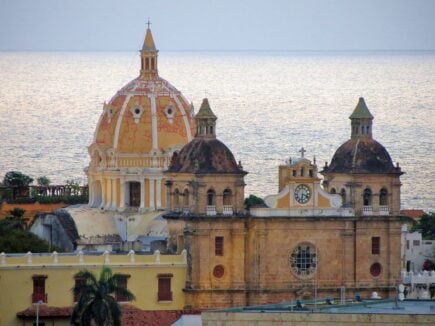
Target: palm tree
pixel 96 304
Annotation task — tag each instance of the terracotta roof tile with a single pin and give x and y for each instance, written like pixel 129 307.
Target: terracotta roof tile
pixel 413 213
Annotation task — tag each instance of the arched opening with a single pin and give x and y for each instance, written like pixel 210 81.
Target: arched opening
pixel 343 195
pixel 96 194
pixel 147 64
pixel 152 64
pixel 367 197
pixel 228 202
pixel 134 194
pixel 383 197
pixel 333 191
pixel 211 202
pixel 186 198
pixel 367 202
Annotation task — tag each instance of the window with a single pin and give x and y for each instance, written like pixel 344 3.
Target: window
pixel 164 287
pixel 218 271
pixel 39 288
pixel 376 269
pixel 383 197
pixel 416 243
pixel 211 198
pixel 79 282
pixel 311 173
pixel 367 197
pixel 294 173
pixel 120 295
pixel 376 245
pixel 219 246
pixel 303 260
pixel 407 244
pixel 333 191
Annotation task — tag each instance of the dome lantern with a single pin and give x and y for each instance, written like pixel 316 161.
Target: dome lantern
pixel 361 120
pixel 205 121
pixel 148 56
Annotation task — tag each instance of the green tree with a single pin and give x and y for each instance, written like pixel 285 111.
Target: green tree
pixel 43 181
pixel 426 225
pixel 97 303
pixel 16 179
pixel 253 200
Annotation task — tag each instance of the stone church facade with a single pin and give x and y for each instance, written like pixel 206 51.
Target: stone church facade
pixel 338 239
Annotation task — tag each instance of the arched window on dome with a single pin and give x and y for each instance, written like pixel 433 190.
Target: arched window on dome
pixel 343 195
pixel 176 199
pixel 383 197
pixel 211 197
pixel 211 202
pixel 367 197
pixel 333 191
pixel 228 202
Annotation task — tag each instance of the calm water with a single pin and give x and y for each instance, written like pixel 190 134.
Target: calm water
pixel 269 105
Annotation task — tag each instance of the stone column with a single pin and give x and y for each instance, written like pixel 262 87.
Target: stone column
pixel 109 193
pixel 142 194
pixel 122 194
pixel 159 193
pixel 114 193
pixel 103 193
pixel 91 192
pixel 152 206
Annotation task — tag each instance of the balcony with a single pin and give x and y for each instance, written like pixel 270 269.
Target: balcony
pixel 36 297
pixel 228 210
pixel 211 210
pixel 383 210
pixel 367 210
pixel 186 210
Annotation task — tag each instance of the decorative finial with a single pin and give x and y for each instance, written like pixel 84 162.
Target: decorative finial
pixel 148 23
pixel 302 151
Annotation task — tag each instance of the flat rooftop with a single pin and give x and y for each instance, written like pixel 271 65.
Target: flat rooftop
pixel 406 307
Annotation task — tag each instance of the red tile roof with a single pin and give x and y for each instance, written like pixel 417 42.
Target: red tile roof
pixel 413 213
pixel 131 316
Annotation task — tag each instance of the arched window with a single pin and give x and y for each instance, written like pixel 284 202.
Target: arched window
pixel 343 195
pixel 152 64
pixel 383 197
pixel 211 197
pixel 367 197
pixel 147 64
pixel 176 198
pixel 333 191
pixel 227 200
pixel 185 197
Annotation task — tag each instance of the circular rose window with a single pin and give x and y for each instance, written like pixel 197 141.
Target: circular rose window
pixel 375 269
pixel 218 271
pixel 303 260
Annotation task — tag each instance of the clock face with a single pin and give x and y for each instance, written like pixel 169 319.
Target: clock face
pixel 302 194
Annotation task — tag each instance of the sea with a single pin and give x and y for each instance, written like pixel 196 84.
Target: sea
pixel 269 105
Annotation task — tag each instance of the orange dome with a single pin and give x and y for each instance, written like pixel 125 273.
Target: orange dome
pixel 147 115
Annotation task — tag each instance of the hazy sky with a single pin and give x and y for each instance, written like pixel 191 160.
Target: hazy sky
pixel 218 24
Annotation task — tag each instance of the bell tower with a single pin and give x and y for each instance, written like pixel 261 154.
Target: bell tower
pixel 361 121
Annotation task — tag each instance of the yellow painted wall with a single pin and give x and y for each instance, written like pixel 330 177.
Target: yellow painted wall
pixel 16 281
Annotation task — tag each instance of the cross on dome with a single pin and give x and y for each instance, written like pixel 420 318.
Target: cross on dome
pixel 148 23
pixel 302 151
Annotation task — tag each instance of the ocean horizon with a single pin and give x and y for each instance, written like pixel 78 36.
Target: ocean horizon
pixel 269 104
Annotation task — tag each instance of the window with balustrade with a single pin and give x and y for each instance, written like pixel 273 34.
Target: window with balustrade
pixel 211 197
pixel 39 289
pixel 164 287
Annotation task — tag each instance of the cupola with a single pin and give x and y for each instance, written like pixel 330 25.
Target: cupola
pixel 148 56
pixel 205 121
pixel 361 121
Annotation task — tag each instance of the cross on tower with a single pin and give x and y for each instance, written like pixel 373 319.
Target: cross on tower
pixel 302 151
pixel 205 93
pixel 148 23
